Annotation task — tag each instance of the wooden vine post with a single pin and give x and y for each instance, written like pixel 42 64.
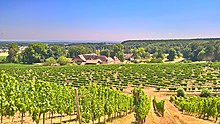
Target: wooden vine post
pixel 137 102
pixel 77 105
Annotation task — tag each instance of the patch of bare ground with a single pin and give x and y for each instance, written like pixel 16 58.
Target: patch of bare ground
pixel 172 115
pixel 124 120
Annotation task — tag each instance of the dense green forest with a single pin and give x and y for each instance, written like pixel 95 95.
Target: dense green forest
pixel 193 49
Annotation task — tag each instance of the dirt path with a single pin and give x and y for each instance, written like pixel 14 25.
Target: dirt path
pixel 172 115
pixel 152 118
pixel 124 120
pixel 168 118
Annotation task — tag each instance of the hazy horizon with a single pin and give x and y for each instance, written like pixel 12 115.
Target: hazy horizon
pixel 108 20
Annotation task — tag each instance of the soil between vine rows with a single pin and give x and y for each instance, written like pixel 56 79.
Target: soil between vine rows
pixel 172 114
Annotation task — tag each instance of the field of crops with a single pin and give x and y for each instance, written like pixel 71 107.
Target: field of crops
pixel 42 90
pixel 201 107
pixel 190 76
pixel 39 98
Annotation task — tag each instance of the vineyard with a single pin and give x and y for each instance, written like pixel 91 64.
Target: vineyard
pixel 45 93
pixel 189 76
pixel 201 107
pixel 33 97
pixel 98 101
pixel 38 98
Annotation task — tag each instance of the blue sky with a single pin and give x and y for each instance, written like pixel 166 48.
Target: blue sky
pixel 115 20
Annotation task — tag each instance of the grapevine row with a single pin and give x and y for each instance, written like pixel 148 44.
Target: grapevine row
pixel 33 97
pixel 38 98
pixel 98 101
pixel 159 106
pixel 141 105
pixel 191 76
pixel 197 106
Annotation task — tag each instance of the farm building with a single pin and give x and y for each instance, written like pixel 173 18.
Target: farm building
pixel 128 56
pixel 94 59
pixel 92 62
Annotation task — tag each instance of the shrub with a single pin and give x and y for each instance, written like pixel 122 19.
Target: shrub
pixel 205 92
pixel 2 59
pixel 157 88
pixel 63 60
pixel 172 89
pixel 181 92
pixel 172 98
pixel 155 60
pixel 50 61
pixel 187 61
pixel 143 61
pixel 74 63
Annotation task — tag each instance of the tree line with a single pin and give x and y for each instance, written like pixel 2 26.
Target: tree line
pixel 40 52
pixel 156 50
pixel 190 49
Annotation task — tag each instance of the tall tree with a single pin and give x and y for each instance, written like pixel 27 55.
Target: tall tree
pixel 172 54
pixel 56 51
pixel 74 51
pixel 179 54
pixel 50 61
pixel 187 52
pixel 13 53
pixel 201 55
pixel 118 51
pixel 194 54
pixel 210 51
pixel 105 52
pixel 35 53
pixel 63 60
pixel 217 52
pixel 159 54
pixel 140 53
